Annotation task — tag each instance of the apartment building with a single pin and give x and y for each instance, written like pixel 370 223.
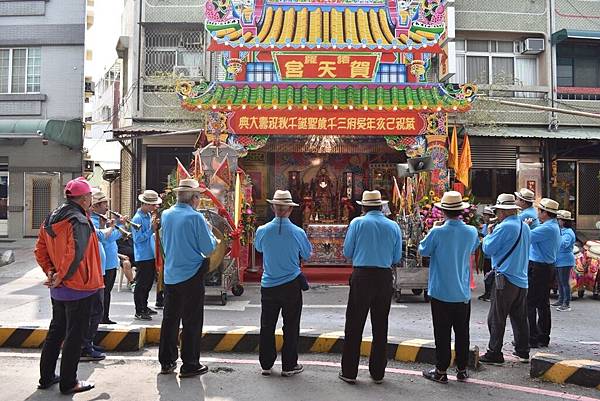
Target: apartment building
pixel 41 91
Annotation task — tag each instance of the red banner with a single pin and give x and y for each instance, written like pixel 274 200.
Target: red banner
pixel 325 122
pixel 326 66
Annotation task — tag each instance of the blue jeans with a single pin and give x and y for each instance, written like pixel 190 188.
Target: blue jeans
pixel 564 289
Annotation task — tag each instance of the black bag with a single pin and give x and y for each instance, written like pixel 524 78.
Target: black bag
pixel 490 277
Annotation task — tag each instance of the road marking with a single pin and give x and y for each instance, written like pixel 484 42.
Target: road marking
pixel 240 306
pixel 407 372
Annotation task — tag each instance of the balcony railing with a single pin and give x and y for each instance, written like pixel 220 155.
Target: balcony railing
pixel 174 11
pixel 577 93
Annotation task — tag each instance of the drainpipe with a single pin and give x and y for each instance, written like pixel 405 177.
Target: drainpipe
pixel 553 119
pixel 139 61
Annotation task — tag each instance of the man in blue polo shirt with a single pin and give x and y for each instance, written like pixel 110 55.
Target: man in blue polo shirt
pixel 450 247
pixel 507 243
pixel 283 245
pixel 545 243
pixel 187 241
pixel 143 250
pixel 525 198
pixel 374 243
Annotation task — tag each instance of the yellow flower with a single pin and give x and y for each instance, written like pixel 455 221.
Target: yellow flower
pixel 436 199
pixel 431 193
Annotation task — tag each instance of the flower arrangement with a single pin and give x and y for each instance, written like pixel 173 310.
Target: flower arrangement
pixel 431 214
pixel 247 223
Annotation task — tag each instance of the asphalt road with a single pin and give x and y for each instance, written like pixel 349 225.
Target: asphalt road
pixel 234 377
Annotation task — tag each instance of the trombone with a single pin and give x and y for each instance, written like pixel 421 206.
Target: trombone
pixel 121 229
pixel 128 220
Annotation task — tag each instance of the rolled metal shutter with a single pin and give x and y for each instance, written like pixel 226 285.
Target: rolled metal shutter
pixel 494 155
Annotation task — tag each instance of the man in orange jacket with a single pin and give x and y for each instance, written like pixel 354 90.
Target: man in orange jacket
pixel 67 250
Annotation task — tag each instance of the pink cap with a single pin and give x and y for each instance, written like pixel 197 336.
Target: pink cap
pixel 77 187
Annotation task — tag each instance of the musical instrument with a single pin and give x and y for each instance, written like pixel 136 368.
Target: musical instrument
pixel 121 229
pixel 220 229
pixel 128 220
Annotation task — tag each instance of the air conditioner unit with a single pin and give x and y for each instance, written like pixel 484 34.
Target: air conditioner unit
pixel 532 46
pixel 188 72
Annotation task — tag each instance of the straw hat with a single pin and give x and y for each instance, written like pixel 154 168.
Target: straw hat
pixel 98 197
pixel 564 215
pixel 452 200
pixel 283 198
pixel 189 185
pixel 489 210
pixel 506 202
pixel 526 194
pixel 371 198
pixel 150 197
pixel 549 205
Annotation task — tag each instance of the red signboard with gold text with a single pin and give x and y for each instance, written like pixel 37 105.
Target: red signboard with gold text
pixel 325 122
pixel 326 66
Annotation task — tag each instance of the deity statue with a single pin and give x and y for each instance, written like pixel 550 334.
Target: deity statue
pixel 323 194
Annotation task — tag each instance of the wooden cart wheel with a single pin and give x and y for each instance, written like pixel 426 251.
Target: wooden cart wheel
pixel 417 291
pixel 223 298
pixel 237 290
pixel 580 293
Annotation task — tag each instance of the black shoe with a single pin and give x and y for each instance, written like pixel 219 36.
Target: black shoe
pixel 52 382
pixel 346 379
pixel 295 370
pixel 462 375
pixel 80 387
pixel 142 316
pixel 98 348
pixel 169 368
pixel 523 358
pixel 492 359
pixel 108 321
pixel 200 370
pixel 484 297
pixel 151 311
pixel 434 375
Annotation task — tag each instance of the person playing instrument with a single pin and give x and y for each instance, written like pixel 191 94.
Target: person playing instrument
pixel 109 243
pixel 187 241
pixel 565 260
pixel 143 249
pixel 525 199
pixel 507 243
pixel 283 244
pixel 545 243
pixel 450 247
pixel 67 251
pixel 374 243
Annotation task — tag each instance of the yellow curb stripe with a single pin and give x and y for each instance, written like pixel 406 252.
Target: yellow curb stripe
pixel 112 339
pixel 365 347
pixel 278 340
pixel 35 339
pixel 5 333
pixel 408 350
pixel 231 338
pixel 152 335
pixel 559 372
pixel 326 341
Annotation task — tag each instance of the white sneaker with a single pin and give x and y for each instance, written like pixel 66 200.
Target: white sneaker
pixel 266 372
pixel 563 309
pixel 297 369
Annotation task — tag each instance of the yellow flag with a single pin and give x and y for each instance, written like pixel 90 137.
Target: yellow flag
pixel 453 151
pixel 464 164
pixel 238 200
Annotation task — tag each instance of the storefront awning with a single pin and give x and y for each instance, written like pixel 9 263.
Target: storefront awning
pixel 565 34
pixel 65 132
pixel 536 132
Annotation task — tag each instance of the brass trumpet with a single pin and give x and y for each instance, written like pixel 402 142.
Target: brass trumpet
pixel 128 220
pixel 121 229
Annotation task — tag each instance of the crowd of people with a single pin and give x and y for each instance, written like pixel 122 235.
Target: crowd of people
pixel 80 249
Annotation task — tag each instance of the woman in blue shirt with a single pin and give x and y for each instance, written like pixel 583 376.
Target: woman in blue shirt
pixel 565 260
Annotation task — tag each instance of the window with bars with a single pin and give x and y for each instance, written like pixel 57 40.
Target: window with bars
pixel 20 70
pixel 179 52
pixel 391 73
pixel 260 72
pixel 495 62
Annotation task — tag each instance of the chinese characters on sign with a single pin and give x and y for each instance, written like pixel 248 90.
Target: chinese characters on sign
pixel 326 66
pixel 340 122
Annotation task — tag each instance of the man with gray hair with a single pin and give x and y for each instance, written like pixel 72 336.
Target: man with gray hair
pixel 187 241
pixel 283 244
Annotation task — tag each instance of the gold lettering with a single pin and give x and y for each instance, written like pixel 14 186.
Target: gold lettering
pixel 294 69
pixel 327 68
pixel 360 69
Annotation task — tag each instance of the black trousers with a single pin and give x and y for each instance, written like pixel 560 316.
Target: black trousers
pixel 109 282
pixel 448 316
pixel 184 303
pixel 538 303
pixel 371 291
pixel 287 299
pixel 70 322
pixel 510 301
pixel 96 313
pixel 487 267
pixel 144 280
